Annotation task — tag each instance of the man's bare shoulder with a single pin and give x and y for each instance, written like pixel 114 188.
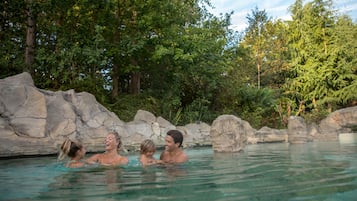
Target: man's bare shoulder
pixel 182 157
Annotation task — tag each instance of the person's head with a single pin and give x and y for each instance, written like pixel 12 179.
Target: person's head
pixel 112 141
pixel 147 148
pixel 72 149
pixel 173 140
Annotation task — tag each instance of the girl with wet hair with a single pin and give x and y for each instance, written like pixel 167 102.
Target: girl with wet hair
pixel 75 151
pixel 111 156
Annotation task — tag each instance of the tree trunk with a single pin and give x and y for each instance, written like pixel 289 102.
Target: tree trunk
pixel 30 38
pixel 135 83
pixel 115 80
pixel 258 68
pixel 135 79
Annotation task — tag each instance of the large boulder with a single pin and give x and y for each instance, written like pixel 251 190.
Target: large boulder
pixel 196 134
pixel 229 133
pixel 35 121
pixel 340 121
pixel 22 106
pixel 297 130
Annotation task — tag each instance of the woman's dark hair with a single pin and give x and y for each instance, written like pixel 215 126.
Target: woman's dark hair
pixel 69 148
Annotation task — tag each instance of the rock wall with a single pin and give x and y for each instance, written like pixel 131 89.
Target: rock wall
pixel 340 121
pixel 36 122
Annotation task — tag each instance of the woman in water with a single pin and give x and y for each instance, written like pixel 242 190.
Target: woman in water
pixel 74 150
pixel 110 156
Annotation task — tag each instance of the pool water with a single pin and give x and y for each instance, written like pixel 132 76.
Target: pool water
pixel 312 171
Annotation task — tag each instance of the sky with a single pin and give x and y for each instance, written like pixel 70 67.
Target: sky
pixel 277 9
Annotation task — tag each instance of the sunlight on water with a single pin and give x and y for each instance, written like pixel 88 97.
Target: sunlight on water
pixel 312 171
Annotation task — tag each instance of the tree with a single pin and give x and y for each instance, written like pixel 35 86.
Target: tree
pixel 30 36
pixel 322 65
pixel 70 47
pixel 256 39
pixel 344 62
pixel 277 55
pixel 12 32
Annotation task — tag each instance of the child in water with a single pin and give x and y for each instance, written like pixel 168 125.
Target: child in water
pixel 147 151
pixel 75 151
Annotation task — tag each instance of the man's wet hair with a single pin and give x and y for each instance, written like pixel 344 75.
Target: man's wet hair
pixel 176 135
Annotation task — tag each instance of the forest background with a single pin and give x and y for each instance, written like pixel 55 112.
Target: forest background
pixel 177 60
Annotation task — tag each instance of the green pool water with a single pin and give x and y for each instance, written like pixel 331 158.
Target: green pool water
pixel 312 171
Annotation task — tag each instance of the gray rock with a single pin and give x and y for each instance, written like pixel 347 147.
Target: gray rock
pixel 35 121
pixel 23 106
pixel 297 130
pixel 339 121
pixel 196 134
pixel 270 135
pixel 142 115
pixel 229 133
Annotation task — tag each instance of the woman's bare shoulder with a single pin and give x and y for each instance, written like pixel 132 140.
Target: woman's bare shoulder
pixel 124 160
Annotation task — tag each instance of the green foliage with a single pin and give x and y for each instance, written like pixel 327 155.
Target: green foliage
pixel 127 106
pixel 255 39
pixel 12 40
pixel 314 116
pixel 197 111
pixel 251 104
pixel 180 62
pixel 322 67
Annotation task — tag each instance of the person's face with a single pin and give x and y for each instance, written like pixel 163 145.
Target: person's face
pixel 170 144
pixel 150 153
pixel 110 142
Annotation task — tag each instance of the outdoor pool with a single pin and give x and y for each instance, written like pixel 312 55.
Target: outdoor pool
pixel 312 171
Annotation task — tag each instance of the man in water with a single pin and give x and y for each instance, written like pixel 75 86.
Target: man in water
pixel 173 152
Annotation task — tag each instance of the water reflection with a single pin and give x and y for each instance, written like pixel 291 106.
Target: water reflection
pixel 84 182
pixel 175 171
pixel 148 177
pixel 312 171
pixel 112 179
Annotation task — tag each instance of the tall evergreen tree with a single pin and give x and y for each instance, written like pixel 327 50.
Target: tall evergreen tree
pixel 255 39
pixel 314 64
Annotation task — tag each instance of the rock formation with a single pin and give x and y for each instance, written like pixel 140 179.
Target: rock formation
pixel 297 130
pixel 229 133
pixel 35 122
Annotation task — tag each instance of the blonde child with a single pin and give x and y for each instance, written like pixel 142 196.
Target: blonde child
pixel 147 151
pixel 75 151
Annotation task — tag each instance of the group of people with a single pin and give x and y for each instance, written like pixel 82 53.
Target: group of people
pixel 172 153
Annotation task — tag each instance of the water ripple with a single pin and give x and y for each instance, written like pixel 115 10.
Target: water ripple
pixel 315 171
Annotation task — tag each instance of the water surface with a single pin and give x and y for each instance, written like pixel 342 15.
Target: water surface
pixel 312 171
